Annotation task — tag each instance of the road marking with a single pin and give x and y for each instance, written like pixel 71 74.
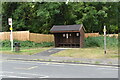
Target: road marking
pixel 25 74
pixel 6 76
pixel 107 68
pixel 52 64
pixel 32 67
pixel 29 68
pixel 10 76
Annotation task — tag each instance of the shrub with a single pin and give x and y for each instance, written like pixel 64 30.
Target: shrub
pixel 6 43
pixel 99 42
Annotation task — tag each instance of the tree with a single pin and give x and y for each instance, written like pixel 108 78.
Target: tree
pixel 39 17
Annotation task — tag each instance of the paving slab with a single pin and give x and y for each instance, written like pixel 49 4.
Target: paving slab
pixel 49 52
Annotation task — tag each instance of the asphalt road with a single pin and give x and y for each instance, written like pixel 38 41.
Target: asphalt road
pixel 32 69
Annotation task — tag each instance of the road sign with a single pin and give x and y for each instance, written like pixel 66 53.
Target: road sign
pixel 11 28
pixel 10 21
pixel 104 30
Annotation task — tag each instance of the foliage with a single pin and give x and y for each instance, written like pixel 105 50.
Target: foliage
pixel 99 42
pixel 6 43
pixel 89 42
pixel 39 17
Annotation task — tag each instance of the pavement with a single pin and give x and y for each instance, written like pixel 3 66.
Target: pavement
pixel 49 52
pixel 45 57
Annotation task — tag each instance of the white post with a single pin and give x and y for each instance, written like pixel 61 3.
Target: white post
pixel 67 2
pixel 104 39
pixel 11 35
pixel 11 38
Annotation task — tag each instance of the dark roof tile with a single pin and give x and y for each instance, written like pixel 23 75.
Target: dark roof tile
pixel 66 28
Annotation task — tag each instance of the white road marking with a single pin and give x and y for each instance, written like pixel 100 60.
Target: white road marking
pixel 32 67
pixel 10 76
pixel 52 64
pixel 29 68
pixel 25 74
pixel 107 68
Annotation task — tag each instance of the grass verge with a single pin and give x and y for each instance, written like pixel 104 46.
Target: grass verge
pixel 90 53
pixel 23 51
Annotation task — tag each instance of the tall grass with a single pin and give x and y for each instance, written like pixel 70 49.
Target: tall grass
pixel 99 42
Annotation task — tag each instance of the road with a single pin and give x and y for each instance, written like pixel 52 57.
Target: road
pixel 33 69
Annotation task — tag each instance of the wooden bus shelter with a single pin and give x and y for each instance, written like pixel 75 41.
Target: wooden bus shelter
pixel 68 35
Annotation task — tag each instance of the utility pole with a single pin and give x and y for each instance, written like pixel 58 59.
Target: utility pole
pixel 104 40
pixel 11 34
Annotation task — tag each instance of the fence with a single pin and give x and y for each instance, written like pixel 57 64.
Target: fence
pixel 41 37
pixel 113 35
pixel 97 34
pixel 18 35
pixel 91 34
pixel 26 35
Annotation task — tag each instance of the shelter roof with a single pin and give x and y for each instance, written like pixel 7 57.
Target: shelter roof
pixel 66 28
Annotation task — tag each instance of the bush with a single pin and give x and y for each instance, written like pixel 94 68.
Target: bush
pixel 6 43
pixel 99 42
pixel 89 42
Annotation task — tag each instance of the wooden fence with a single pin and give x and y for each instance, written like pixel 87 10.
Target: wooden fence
pixel 113 35
pixel 91 34
pixel 18 35
pixel 26 35
pixel 41 37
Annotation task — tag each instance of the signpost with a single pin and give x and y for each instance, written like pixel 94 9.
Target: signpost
pixel 67 2
pixel 11 35
pixel 104 39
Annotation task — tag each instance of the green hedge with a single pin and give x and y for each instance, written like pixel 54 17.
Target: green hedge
pixel 99 42
pixel 6 43
pixel 89 42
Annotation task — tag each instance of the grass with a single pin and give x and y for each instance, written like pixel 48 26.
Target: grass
pixel 97 62
pixel 90 53
pixel 27 47
pixel 23 51
pixel 93 48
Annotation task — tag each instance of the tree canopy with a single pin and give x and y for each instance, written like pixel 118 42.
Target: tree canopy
pixel 39 17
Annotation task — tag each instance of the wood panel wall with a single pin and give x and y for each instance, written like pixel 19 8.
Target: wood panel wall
pixel 27 36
